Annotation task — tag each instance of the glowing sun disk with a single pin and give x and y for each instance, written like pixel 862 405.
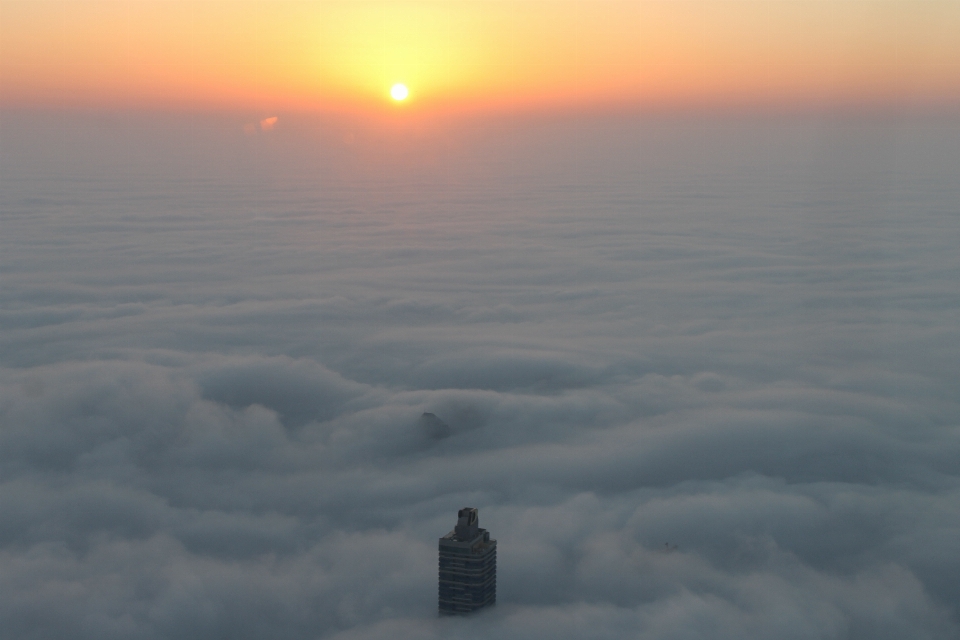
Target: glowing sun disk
pixel 399 92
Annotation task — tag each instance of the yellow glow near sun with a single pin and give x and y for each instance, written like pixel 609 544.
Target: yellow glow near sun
pixel 399 92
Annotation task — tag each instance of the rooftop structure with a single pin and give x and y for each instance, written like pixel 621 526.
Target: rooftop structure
pixel 468 566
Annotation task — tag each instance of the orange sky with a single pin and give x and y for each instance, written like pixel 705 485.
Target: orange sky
pixel 489 54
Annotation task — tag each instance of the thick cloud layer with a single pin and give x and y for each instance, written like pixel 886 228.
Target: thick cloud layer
pixel 700 378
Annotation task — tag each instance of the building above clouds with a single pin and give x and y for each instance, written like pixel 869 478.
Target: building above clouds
pixel 468 566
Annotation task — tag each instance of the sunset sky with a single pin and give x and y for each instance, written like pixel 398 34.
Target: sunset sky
pixel 188 54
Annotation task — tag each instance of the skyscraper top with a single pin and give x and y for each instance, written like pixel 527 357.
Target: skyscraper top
pixel 468 566
pixel 468 524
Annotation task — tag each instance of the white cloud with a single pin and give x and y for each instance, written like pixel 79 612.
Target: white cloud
pixel 217 358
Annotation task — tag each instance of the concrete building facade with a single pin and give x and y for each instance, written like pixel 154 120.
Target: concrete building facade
pixel 468 566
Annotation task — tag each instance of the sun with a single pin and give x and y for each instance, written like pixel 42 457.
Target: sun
pixel 399 92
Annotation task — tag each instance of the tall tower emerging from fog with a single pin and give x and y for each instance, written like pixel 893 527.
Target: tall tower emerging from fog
pixel 468 566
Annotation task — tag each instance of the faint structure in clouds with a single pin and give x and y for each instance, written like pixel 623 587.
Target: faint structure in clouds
pixel 468 566
pixel 433 427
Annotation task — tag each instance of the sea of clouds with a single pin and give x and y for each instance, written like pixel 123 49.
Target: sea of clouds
pixel 701 377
